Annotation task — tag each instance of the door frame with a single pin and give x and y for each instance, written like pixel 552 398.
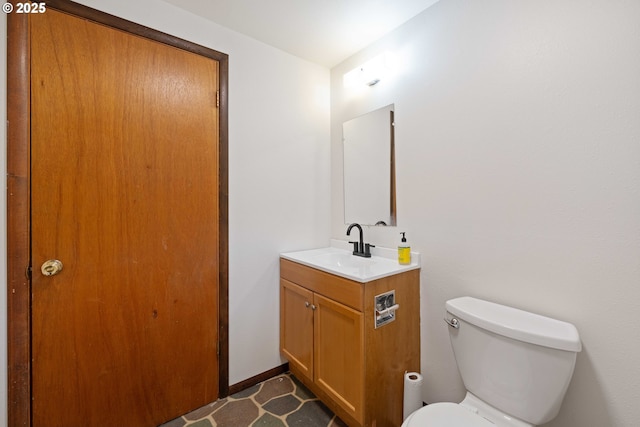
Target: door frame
pixel 18 198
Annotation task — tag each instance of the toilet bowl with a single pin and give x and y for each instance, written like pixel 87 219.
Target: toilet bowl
pixel 471 412
pixel 446 414
pixel 516 367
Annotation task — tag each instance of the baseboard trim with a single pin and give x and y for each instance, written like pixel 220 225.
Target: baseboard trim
pixel 257 379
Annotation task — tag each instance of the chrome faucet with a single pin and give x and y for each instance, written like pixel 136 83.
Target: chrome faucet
pixel 360 248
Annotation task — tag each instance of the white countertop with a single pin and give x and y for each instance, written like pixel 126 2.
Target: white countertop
pixel 338 259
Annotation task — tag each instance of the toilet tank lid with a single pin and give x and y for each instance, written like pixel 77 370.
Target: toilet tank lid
pixel 516 324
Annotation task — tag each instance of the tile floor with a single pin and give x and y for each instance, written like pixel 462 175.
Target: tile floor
pixel 281 401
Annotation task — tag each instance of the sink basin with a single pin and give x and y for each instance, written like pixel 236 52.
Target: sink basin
pixel 343 263
pixel 343 260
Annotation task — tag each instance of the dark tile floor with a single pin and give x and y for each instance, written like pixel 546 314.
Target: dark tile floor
pixel 278 402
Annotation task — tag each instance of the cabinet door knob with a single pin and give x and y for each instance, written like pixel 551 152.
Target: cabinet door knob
pixel 313 307
pixel 306 304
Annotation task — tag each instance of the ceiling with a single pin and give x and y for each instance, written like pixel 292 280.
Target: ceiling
pixel 322 31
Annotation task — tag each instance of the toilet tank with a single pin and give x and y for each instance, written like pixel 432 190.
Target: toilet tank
pixel 518 362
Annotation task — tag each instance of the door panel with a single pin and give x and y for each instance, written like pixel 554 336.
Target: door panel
pixel 124 181
pixel 296 326
pixel 339 354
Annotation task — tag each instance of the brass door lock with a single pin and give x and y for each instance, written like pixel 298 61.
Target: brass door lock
pixel 51 267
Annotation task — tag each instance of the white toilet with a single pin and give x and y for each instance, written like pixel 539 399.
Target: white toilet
pixel 515 365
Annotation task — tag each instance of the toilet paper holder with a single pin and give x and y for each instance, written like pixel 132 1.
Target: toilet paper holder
pixel 385 308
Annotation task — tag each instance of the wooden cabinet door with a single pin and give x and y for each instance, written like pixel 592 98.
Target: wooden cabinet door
pixel 296 326
pixel 339 354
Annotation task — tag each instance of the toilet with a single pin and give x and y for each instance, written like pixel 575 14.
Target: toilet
pixel 515 365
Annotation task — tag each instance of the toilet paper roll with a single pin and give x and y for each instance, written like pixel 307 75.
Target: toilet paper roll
pixel 412 393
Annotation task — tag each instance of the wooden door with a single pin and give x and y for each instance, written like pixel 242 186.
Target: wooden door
pixel 339 354
pixel 296 326
pixel 124 181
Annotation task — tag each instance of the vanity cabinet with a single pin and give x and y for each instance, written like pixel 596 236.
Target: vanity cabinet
pixel 328 335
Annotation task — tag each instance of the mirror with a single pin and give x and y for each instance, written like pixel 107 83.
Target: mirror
pixel 369 168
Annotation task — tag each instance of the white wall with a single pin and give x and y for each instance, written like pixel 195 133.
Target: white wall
pixel 518 177
pixel 279 172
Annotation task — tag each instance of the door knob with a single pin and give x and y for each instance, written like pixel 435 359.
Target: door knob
pixel 51 267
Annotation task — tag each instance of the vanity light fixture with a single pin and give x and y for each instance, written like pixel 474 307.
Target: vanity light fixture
pixel 370 73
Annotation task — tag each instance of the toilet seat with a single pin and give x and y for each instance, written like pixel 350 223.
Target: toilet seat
pixel 445 414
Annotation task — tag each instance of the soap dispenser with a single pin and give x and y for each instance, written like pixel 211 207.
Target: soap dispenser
pixel 404 251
